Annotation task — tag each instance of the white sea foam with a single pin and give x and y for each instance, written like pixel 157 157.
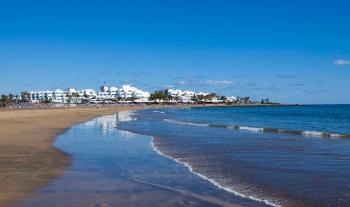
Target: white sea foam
pixel 312 133
pixel 256 129
pixel 189 167
pixel 253 129
pixel 156 111
pixel 333 135
pixel 186 123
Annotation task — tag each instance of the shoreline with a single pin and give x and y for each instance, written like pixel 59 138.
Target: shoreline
pixel 28 158
pixel 138 179
pixel 189 167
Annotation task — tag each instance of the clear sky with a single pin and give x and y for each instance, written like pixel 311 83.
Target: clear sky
pixel 294 51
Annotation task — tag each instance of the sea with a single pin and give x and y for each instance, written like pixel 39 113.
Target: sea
pixel 277 156
pixel 206 156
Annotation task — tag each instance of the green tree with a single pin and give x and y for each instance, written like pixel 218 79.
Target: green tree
pixel 246 99
pixel 160 95
pixel 48 101
pixel 69 97
pixel 194 98
pixel 11 97
pixel 5 100
pixel 132 99
pixel 26 96
pixel 222 98
pixel 75 94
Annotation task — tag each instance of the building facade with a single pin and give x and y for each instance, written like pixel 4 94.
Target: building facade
pixel 107 94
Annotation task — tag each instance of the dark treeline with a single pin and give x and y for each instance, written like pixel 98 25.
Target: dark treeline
pixel 10 99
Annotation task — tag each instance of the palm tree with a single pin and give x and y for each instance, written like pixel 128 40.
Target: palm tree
pixel 26 96
pixel 11 96
pixel 223 98
pixel 69 97
pixel 159 95
pixel 75 95
pixel 194 98
pixel 5 100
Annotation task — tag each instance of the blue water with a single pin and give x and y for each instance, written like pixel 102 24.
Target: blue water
pixel 308 167
pixel 328 118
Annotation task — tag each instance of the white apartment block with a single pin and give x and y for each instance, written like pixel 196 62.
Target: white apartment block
pixel 125 92
pixel 56 96
pixel 184 96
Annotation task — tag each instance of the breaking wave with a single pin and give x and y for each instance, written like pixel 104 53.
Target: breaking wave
pixel 186 123
pixel 217 184
pixel 267 130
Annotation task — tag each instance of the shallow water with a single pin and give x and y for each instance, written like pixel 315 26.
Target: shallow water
pixel 284 169
pixel 112 167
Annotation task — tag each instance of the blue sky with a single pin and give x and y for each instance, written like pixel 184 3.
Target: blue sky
pixel 290 51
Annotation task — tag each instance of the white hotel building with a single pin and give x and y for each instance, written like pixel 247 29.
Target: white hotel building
pixel 125 92
pixel 184 96
pixel 56 96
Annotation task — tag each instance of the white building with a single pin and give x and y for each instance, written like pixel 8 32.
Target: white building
pixel 60 96
pixel 231 99
pixel 88 93
pixel 184 96
pixel 125 92
pixel 57 96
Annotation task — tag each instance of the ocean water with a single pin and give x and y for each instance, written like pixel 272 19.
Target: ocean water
pixel 277 156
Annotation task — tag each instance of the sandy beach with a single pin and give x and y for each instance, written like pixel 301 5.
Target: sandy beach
pixel 27 158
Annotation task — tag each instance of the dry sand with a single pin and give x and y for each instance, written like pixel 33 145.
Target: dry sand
pixel 27 158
